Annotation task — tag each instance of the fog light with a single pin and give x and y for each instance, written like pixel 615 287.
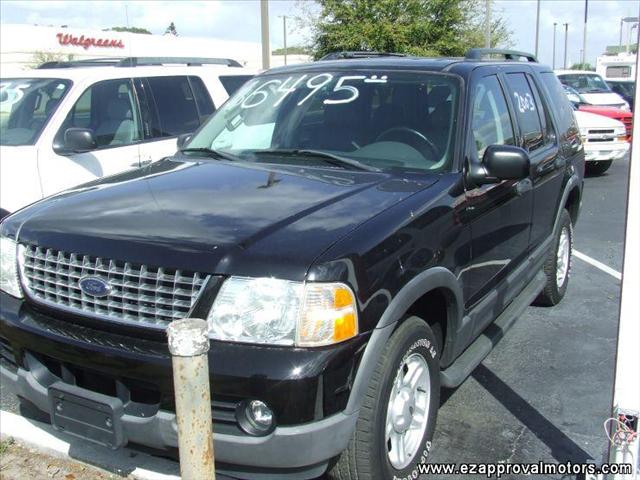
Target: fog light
pixel 255 417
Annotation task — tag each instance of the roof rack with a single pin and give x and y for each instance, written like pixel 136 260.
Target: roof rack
pixel 359 54
pixel 139 62
pixel 482 53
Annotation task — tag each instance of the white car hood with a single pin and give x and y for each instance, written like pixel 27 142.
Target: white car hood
pixel 592 120
pixel 609 98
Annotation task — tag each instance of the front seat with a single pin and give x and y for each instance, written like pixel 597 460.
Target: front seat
pixel 118 127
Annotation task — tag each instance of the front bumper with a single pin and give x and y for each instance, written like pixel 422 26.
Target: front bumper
pixel 605 152
pixel 44 347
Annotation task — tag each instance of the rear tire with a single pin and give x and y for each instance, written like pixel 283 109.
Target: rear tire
pixel 597 168
pixel 557 267
pixel 392 434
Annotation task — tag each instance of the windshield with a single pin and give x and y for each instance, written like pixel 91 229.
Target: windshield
pixel 341 119
pixel 585 82
pixel 26 104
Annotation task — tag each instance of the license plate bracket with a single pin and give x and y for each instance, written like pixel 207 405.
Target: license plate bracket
pixel 89 415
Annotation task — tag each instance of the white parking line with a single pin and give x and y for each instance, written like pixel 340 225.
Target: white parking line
pixel 592 261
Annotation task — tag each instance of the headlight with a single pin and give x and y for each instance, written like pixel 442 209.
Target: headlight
pixel 618 131
pixel 584 132
pixel 280 312
pixel 9 282
pixel 625 107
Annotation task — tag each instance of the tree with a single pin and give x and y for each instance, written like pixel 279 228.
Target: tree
pixel 40 57
pixel 417 27
pixel 128 29
pixel 582 66
pixel 171 30
pixel 291 51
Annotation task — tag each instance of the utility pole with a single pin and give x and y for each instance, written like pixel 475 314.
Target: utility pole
pixel 584 34
pixel 284 36
pixel 621 23
pixel 537 26
pixel 566 37
pixel 555 24
pixel 264 28
pixel 487 25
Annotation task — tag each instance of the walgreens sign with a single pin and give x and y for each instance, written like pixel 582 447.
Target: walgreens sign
pixel 86 42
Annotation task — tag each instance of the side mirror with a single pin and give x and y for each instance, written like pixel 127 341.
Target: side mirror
pixel 79 140
pixel 500 162
pixel 183 140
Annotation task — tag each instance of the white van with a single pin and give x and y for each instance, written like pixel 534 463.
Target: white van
pixel 67 123
pixel 592 87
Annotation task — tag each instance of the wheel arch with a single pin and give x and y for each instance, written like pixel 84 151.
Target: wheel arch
pixel 437 281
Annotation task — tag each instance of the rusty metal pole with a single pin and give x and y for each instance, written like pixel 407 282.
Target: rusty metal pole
pixel 189 344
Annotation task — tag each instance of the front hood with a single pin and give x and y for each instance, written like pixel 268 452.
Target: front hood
pixel 592 120
pixel 605 98
pixel 212 216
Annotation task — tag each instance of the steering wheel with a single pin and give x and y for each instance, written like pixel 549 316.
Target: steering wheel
pixel 413 138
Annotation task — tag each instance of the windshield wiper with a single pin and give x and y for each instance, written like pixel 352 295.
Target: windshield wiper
pixel 210 152
pixel 326 156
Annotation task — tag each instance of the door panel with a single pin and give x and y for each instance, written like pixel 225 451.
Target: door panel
pixel 500 214
pixel 541 141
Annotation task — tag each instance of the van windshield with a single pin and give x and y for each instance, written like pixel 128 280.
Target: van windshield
pixel 585 82
pixel 381 120
pixel 26 104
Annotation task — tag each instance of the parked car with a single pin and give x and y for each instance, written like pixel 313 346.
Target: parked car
pixel 625 88
pixel 605 131
pixel 67 123
pixel 618 114
pixel 358 234
pixel 592 87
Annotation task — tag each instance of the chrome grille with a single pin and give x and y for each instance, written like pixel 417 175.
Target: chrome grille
pixel 138 293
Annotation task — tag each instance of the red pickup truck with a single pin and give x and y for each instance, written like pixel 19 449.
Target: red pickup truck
pixel 611 112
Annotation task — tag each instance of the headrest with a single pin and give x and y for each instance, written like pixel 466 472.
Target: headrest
pixel 119 110
pixel 439 94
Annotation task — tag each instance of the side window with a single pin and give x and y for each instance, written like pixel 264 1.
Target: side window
pixel 491 123
pixel 203 100
pixel 526 110
pixel 559 99
pixel 175 103
pixel 109 109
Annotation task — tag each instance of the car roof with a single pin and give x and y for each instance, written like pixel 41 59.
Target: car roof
pixel 563 72
pixel 107 72
pixel 397 63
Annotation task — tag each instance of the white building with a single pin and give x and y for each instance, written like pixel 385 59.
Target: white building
pixel 24 46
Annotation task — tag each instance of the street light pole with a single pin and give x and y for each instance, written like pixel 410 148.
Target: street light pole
pixel 264 28
pixel 566 37
pixel 487 26
pixel 537 26
pixel 621 23
pixel 555 24
pixel 284 36
pixel 584 34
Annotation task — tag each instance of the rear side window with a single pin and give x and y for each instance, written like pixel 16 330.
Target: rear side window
pixel 559 100
pixel 175 104
pixel 491 122
pixel 231 83
pixel 526 110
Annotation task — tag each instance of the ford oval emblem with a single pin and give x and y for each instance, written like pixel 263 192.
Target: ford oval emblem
pixel 94 286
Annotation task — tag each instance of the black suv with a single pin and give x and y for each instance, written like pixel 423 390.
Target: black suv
pixel 358 233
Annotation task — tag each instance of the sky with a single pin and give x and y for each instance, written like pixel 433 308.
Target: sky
pixel 240 20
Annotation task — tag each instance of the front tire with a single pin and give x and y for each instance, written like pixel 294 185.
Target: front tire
pixel 557 267
pixel 398 415
pixel 598 168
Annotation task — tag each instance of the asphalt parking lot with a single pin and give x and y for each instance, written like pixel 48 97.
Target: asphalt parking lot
pixel 545 390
